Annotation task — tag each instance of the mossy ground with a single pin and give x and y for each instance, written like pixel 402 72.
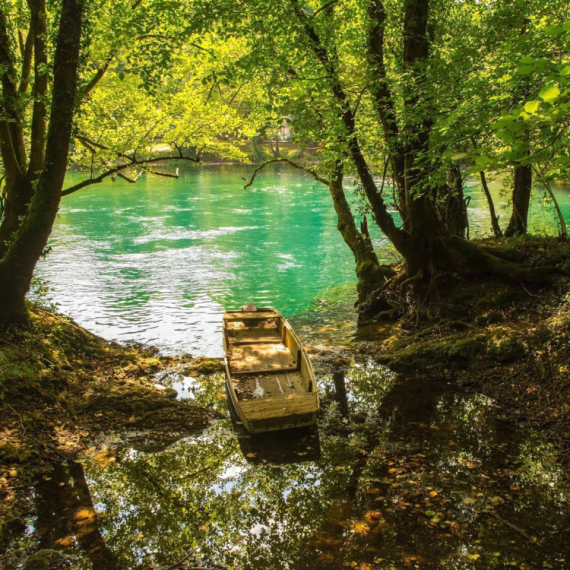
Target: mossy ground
pixel 507 339
pixel 61 386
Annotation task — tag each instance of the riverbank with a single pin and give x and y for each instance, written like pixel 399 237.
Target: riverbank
pixel 508 340
pixel 62 388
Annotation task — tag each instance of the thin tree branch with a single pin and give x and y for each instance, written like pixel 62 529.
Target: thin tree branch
pixel 237 91
pixel 98 75
pixel 27 54
pixel 39 24
pixel 164 174
pixel 115 170
pixel 386 160
pixel 291 163
pixel 130 180
pixel 563 232
pixel 201 48
pixel 328 4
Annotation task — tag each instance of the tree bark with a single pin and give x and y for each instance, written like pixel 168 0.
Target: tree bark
pixel 19 177
pixel 275 149
pixel 370 274
pixel 17 266
pixel 521 199
pixel 455 213
pixel 256 148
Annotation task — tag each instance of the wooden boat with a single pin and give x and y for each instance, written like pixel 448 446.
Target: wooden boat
pixel 269 378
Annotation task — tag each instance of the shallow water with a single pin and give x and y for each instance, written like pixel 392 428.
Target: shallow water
pixel 415 474
pixel 158 261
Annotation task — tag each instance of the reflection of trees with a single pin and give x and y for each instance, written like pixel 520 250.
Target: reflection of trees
pixel 205 491
pixel 66 514
pixel 368 496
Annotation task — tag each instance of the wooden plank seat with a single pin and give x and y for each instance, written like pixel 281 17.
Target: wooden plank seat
pixel 240 316
pixel 270 408
pixel 266 357
pixel 240 332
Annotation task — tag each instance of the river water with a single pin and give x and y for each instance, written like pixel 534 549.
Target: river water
pixel 158 261
pixel 406 473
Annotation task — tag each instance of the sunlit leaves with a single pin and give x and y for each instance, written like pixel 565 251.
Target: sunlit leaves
pixel 549 93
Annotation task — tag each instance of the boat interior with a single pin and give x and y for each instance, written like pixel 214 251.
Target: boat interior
pixel 265 358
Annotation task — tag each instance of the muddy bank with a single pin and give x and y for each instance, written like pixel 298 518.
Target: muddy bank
pixel 62 387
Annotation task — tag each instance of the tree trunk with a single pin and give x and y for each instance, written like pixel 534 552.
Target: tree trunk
pixel 371 275
pixel 455 214
pixel 274 149
pixel 521 200
pixel 17 266
pixel 494 220
pixel 423 240
pixel 19 191
pixel 256 148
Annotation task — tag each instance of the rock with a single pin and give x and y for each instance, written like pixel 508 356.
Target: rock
pixel 505 348
pixel 204 365
pixel 171 393
pixel 453 352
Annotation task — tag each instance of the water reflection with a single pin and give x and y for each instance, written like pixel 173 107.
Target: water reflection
pixel 414 475
pixel 280 448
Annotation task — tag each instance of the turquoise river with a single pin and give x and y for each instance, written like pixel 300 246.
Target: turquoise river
pixel 158 261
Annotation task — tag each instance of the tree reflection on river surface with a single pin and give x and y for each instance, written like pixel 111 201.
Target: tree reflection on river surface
pixel 415 475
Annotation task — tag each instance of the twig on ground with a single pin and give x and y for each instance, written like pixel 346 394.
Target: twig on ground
pixel 514 527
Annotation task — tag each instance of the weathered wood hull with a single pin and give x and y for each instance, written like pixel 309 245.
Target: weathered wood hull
pixel 270 380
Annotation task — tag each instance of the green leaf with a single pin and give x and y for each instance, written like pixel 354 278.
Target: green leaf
pixel 565 71
pixel 525 69
pixel 549 93
pixel 459 156
pixel 531 106
pixel 566 26
pixel 553 30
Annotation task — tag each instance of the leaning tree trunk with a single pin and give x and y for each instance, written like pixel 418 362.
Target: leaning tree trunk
pixel 17 266
pixel 521 200
pixel 494 220
pixel 370 274
pixel 21 177
pixel 424 242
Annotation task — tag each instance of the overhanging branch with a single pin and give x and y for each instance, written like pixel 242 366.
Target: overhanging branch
pixel 87 88
pixel 115 171
pixel 291 163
